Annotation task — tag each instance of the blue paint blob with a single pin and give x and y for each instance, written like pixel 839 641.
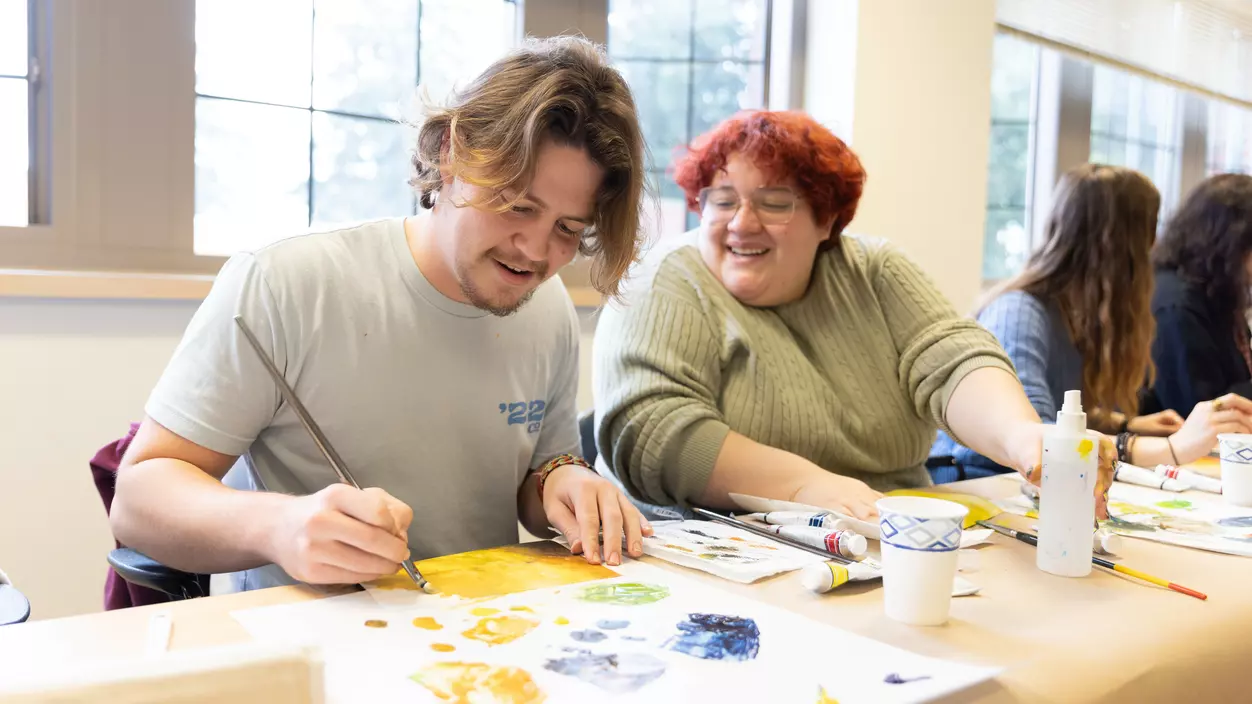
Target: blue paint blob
pixel 717 637
pixel 610 625
pixel 588 636
pixel 615 673
pixel 1236 522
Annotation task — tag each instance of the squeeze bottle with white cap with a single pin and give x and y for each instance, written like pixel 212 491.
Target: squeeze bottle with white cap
pixel 1071 455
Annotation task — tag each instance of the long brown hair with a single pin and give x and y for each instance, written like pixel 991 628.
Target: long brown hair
pixel 1208 240
pixel 1095 266
pixel 559 88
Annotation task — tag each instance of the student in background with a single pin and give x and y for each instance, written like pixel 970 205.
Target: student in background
pixel 1077 317
pixel 438 352
pixel 770 354
pixel 1203 264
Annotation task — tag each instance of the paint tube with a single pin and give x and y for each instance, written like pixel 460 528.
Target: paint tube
pixel 825 576
pixel 1131 474
pixel 1105 542
pixel 796 518
pixel 836 542
pixel 1192 479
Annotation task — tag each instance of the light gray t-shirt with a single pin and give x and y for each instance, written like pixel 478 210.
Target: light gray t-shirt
pixel 441 404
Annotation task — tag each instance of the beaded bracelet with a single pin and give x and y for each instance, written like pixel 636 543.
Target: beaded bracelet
pixel 1122 439
pixel 558 461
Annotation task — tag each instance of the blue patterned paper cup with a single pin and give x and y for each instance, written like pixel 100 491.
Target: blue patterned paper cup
pixel 1236 452
pixel 920 537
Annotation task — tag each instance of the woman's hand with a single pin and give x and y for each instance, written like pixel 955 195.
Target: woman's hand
pixel 1166 422
pixel 851 497
pixel 1028 439
pixel 1231 413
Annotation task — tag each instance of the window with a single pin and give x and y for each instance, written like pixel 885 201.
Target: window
pixel 1136 123
pixel 690 64
pixel 1229 139
pixel 1014 76
pixel 15 137
pixel 299 109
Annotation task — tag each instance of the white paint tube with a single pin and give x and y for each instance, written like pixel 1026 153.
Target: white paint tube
pixel 825 576
pixel 796 518
pixel 1194 480
pixel 1131 474
pixel 836 542
pixel 1106 543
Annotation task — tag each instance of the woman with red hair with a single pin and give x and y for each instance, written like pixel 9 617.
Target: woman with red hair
pixel 769 354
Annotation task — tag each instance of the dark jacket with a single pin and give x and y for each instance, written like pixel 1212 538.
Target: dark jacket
pixel 1196 356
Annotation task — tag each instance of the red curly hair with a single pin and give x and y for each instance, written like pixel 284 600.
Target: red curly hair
pixel 784 144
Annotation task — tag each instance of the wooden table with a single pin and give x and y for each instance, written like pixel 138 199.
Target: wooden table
pixel 1102 638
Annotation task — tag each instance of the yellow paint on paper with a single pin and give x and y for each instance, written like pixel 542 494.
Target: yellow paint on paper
pixel 1085 447
pixel 428 623
pixel 561 621
pixel 485 611
pixel 498 630
pixel 980 509
pixel 527 609
pixel 824 698
pixel 479 683
pixel 500 571
pixel 442 647
pixel 375 623
pixel 677 547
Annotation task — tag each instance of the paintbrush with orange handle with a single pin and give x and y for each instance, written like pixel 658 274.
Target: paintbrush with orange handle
pixel 1032 540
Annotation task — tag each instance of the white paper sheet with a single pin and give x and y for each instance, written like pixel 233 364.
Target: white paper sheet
pixel 1176 519
pixel 725 551
pixel 578 650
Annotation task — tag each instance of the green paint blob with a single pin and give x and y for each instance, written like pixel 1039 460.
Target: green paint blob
pixel 624 593
pixel 1175 503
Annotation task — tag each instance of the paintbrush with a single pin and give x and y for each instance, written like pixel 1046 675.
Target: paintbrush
pixel 1034 541
pixel 732 521
pixel 319 439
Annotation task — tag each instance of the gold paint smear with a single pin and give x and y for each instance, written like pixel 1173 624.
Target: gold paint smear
pixel 428 623
pixel 442 647
pixel 485 611
pixel 500 571
pixel 498 630
pixel 479 683
pixel 375 623
pixel 527 609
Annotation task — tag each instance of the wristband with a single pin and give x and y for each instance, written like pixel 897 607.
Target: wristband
pixel 552 464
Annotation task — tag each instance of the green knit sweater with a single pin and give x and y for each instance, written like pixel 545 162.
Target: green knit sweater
pixel 855 376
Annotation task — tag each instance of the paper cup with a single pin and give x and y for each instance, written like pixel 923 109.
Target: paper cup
pixel 920 537
pixel 1236 451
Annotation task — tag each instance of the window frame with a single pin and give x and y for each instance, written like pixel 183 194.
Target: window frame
pixel 658 172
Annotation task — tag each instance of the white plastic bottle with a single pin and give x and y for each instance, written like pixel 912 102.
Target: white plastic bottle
pixel 1071 455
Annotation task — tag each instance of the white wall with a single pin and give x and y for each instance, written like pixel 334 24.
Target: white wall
pixel 72 375
pixel 908 84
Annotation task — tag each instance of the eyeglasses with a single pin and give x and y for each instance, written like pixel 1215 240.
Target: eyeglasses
pixel 774 205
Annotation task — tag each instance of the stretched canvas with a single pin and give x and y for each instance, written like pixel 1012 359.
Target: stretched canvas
pixel 642 634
